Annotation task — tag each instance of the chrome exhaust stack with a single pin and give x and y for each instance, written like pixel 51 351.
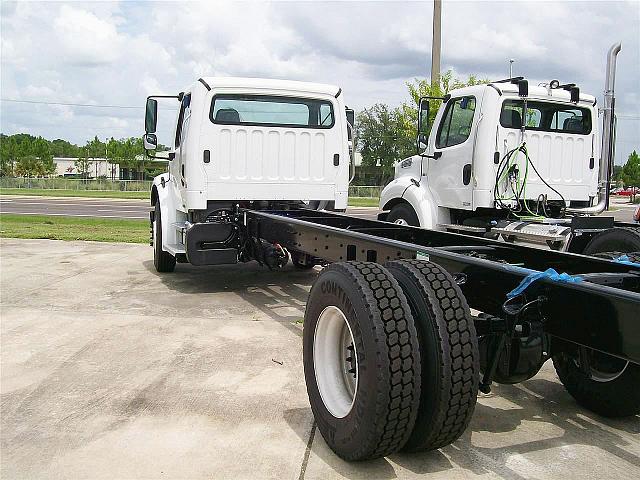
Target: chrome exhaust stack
pixel 608 135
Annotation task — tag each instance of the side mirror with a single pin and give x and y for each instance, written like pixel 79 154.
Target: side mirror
pixel 151 116
pixel 150 141
pixel 351 116
pixel 423 125
pixel 422 142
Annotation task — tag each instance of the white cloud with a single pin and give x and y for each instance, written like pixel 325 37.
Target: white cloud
pixel 84 39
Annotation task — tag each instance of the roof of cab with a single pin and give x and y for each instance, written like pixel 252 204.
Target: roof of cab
pixel 270 84
pixel 536 91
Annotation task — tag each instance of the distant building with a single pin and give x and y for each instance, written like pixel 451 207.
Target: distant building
pixel 98 167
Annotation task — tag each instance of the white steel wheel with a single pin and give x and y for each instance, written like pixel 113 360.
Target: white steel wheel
pixel 401 221
pixel 335 362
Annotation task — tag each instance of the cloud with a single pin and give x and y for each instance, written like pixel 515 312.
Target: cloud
pixel 120 52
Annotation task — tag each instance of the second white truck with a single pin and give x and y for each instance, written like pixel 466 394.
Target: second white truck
pixel 514 161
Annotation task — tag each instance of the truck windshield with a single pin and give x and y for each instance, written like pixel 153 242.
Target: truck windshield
pixel 271 111
pixel 546 117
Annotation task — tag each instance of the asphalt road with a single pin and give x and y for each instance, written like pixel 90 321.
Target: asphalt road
pixel 102 207
pixel 139 209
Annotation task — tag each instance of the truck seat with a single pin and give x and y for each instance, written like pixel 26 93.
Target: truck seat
pixel 573 125
pixel 510 118
pixel 229 115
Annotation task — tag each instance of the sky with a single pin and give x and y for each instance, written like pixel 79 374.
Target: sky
pixel 117 53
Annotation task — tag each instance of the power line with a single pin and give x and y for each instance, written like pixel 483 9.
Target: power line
pixel 13 100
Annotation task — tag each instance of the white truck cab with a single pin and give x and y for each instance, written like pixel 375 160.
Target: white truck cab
pixel 244 143
pixel 475 129
pixel 510 160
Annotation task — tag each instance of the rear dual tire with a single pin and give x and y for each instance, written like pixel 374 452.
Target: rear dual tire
pixel 379 417
pixel 417 358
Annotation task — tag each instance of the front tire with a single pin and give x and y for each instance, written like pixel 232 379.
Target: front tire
pixel 163 261
pixel 361 360
pixel 448 349
pixel 403 214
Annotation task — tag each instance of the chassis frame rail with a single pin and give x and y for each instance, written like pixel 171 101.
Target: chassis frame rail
pixel 602 312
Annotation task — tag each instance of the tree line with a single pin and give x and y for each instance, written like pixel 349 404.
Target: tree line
pixel 25 155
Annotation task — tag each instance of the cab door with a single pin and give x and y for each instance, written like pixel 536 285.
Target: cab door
pixel 450 153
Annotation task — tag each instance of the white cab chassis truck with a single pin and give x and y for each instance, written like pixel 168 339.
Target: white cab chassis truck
pixel 393 357
pixel 513 161
pixel 245 143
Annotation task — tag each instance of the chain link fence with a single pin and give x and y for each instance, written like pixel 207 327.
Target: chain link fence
pixel 76 184
pixel 361 191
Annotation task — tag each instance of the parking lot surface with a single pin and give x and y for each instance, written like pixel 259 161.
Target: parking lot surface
pixel 110 370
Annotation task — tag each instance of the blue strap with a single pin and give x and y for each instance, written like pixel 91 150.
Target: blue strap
pixel 624 259
pixel 549 273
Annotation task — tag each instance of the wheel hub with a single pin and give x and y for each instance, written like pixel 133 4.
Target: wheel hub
pixel 335 362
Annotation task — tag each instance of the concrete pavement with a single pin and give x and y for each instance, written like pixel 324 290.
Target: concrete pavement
pixel 110 370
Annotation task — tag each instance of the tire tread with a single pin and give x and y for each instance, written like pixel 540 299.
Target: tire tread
pixel 459 363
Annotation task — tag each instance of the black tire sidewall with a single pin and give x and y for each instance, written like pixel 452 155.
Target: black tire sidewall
pixel 157 237
pixel 349 433
pixel 162 261
pixel 623 240
pixel 406 212
pixel 619 397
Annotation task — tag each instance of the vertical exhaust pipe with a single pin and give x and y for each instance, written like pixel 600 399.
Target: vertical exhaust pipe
pixel 608 137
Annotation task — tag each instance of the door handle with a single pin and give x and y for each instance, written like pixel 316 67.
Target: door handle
pixel 466 174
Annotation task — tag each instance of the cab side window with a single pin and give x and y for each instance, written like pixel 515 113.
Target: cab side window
pixel 455 127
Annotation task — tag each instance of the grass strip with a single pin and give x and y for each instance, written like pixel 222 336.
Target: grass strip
pixel 71 228
pixel 364 201
pixel 43 192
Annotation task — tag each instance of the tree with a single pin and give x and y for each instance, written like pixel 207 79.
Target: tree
pixel 630 174
pixel 83 165
pixel 40 147
pixel 382 137
pixel 28 166
pixel 8 155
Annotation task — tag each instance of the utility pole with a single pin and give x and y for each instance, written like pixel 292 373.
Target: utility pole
pixel 511 68
pixel 435 43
